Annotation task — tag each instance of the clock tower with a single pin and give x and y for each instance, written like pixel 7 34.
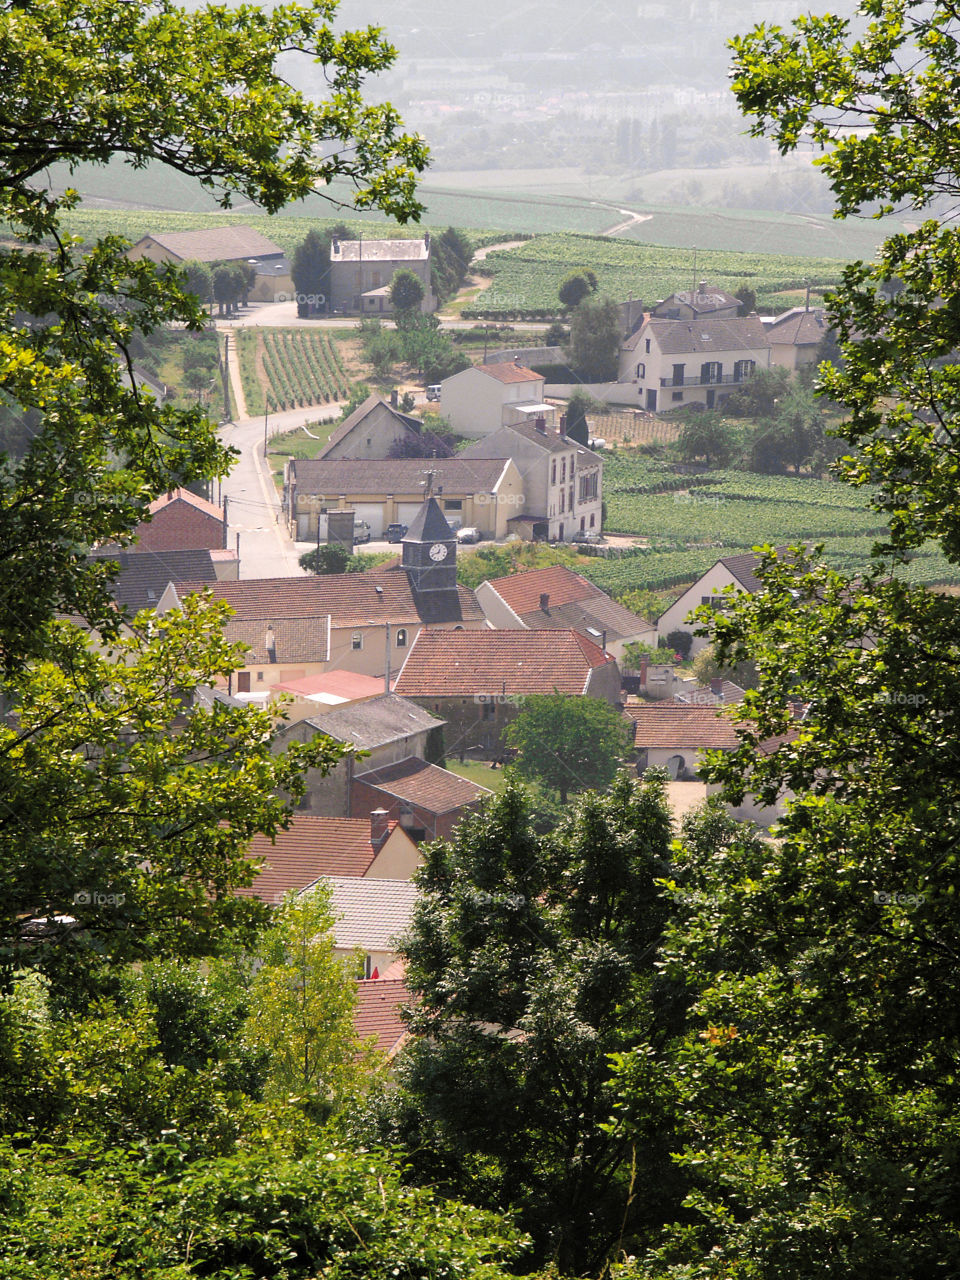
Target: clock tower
pixel 430 551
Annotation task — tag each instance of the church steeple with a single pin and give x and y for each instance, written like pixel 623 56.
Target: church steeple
pixel 430 550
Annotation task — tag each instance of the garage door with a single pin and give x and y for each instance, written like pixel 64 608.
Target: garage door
pixel 372 512
pixel 406 511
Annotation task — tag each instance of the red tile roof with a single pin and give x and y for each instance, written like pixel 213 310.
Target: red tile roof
pixel 508 372
pixel 378 1012
pixel 426 785
pixel 346 686
pixel 522 591
pixel 311 847
pixel 447 664
pixel 191 499
pixel 668 726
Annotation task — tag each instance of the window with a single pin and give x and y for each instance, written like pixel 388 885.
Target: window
pixel 679 372
pixel 648 346
pixel 711 371
pixel 563 494
pixel 572 462
pixel 677 395
pixel 641 370
pixel 593 519
pixel 743 370
pixel 570 502
pixel 553 472
pixel 368 966
pixel 401 637
pixel 563 471
pixel 356 640
pixel 453 504
pixel 490 710
pixel 243 682
pixel 589 486
pixel 583 523
pixel 260 676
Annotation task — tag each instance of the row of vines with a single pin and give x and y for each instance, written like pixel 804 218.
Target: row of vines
pixel 302 368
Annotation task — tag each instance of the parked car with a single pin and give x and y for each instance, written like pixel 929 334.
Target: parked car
pixel 396 532
pixel 587 535
pixel 468 534
pixel 433 392
pixel 361 531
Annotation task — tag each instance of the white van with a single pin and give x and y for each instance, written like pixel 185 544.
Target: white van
pixel 433 391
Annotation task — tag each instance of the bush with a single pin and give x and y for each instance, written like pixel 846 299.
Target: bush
pixel 681 641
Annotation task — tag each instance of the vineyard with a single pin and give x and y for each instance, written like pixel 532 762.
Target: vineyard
pixel 526 279
pixel 694 520
pixel 298 367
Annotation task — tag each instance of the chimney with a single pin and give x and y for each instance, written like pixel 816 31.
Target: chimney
pixel 394 398
pixel 716 687
pixel 702 287
pixel 541 425
pixel 379 827
pixel 270 643
pixel 563 424
pixel 545 601
pixel 426 240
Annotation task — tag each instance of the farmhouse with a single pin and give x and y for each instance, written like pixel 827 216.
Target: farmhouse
pixel 222 244
pixel 479 400
pixel 361 272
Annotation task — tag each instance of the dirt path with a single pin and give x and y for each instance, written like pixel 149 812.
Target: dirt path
pixel 633 218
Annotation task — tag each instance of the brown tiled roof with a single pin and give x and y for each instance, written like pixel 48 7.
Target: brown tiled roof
pixel 432 788
pixel 217 244
pixel 294 640
pixel 522 591
pixel 446 664
pixel 340 686
pixel 191 499
pixel 508 372
pixel 143 575
pixel 410 424
pixel 311 847
pixel 378 477
pixel 669 726
pixel 351 599
pixel 573 603
pixel 378 1012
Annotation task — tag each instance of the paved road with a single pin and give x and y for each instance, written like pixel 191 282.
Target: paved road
pixel 283 315
pixel 253 504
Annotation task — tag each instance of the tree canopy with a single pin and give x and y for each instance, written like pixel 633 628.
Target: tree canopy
pixel 568 743
pixel 595 339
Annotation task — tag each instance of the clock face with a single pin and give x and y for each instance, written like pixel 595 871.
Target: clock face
pixel 438 551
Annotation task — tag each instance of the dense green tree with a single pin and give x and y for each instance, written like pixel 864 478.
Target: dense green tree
pixel 198 280
pixel 759 395
pixel 577 286
pixel 195 90
pixel 579 404
pixel 329 558
pixel 568 743
pixel 309 271
pixel 818 1077
pixel 406 294
pixel 707 436
pixel 533 959
pixel 451 254
pixel 595 340
pixel 748 300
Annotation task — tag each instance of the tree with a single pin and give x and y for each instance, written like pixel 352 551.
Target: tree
pixel 595 340
pixel 198 280
pixel 577 286
pixel 92 80
pixel 532 959
pixel 129 801
pixel 747 299
pixel 568 743
pixel 817 1077
pixel 794 437
pixel 330 558
pixel 302 1000
pixel 709 436
pixel 579 404
pixel 451 254
pixel 707 668
pixel 309 271
pixel 759 395
pixel 406 294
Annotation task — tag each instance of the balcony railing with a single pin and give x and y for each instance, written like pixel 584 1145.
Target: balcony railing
pixel 697 380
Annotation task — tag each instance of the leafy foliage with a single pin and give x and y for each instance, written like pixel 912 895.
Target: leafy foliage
pixel 568 743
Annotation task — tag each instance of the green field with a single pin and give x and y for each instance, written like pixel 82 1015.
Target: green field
pixel 528 277
pixel 692 521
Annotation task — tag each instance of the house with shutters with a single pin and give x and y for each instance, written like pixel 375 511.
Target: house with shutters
pixel 362 271
pixel 481 399
pixel 561 480
pixel 674 363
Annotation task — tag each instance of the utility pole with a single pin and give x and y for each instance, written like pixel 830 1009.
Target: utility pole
pixel 266 410
pixel 386 667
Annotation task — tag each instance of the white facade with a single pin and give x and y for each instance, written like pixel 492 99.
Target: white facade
pixel 704 591
pixel 474 401
pixel 672 363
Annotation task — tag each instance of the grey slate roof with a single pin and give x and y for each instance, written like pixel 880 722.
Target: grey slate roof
pixel 413 425
pixel 217 244
pixel 549 441
pixel 375 478
pixel 376 722
pixel 429 524
pixel 143 575
pixel 703 336
pixel 369 913
pixel 800 327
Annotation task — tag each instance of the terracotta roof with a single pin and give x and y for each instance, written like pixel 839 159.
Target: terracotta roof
pixel 279 641
pixel 412 249
pixel 377 1014
pixel 372 477
pixel 191 499
pixel 410 424
pixel 573 602
pixel 376 722
pixel 799 327
pixel 332 687
pixel 144 575
pixel 432 788
pixel 216 244
pixel 370 913
pixel 669 726
pixel 508 372
pixel 311 847
pixel 446 664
